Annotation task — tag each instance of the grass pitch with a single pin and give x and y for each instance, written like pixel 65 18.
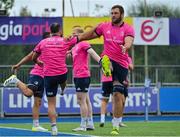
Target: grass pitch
pixel 162 128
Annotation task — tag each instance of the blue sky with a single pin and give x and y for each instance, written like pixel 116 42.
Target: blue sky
pixel 80 6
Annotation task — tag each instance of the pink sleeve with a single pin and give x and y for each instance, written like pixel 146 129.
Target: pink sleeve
pixel 99 29
pixel 129 31
pixel 72 41
pixel 86 46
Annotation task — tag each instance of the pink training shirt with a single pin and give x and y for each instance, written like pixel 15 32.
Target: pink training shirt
pixel 37 70
pixel 114 37
pixel 53 54
pixel 80 60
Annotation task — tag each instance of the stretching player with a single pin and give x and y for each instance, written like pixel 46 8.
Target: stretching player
pixel 53 52
pixel 107 90
pixel 118 39
pixel 34 87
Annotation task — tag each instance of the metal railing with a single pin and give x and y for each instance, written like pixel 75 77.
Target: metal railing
pixel 167 75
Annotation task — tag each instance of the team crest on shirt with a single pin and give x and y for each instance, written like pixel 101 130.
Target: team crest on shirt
pixel 121 33
pixel 108 32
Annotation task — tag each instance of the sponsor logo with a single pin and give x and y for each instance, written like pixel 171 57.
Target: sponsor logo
pixel 108 32
pixel 11 29
pixel 36 82
pixel 148 31
pixel 50 93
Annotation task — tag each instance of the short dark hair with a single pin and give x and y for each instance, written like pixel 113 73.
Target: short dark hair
pixel 55 27
pixel 79 30
pixel 45 35
pixel 121 9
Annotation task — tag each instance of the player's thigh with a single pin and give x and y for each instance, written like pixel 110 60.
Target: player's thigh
pixel 36 84
pixel 119 73
pixel 107 89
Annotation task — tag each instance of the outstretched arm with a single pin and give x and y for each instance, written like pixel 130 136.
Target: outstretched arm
pixel 91 34
pixel 94 55
pixel 35 59
pixel 24 60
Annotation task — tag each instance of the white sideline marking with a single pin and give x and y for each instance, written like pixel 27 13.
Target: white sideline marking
pixel 46 131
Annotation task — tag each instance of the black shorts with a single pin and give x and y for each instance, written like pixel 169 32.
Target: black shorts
pixel 120 74
pixel 82 84
pixel 107 89
pixel 36 84
pixel 51 84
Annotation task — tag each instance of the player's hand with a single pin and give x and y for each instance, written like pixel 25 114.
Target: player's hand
pixel 105 65
pixel 15 68
pixel 126 83
pixel 100 63
pixel 68 38
pixel 124 49
pixel 69 54
pixel 72 39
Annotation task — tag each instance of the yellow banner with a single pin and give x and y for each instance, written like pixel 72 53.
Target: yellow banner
pixel 86 23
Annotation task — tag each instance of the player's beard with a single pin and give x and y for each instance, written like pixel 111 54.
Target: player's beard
pixel 117 21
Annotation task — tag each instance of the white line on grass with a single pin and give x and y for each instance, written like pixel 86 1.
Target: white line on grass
pixel 45 131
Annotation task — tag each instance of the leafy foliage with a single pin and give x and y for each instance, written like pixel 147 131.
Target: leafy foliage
pixel 7 5
pixel 138 10
pixel 24 12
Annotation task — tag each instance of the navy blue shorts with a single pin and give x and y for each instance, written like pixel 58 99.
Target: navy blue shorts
pixel 36 84
pixel 82 84
pixel 107 89
pixel 120 74
pixel 52 82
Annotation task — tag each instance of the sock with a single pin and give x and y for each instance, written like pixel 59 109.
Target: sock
pixel 115 122
pixel 120 120
pixel 53 126
pixel 35 122
pixel 83 121
pixel 90 121
pixel 16 80
pixel 102 118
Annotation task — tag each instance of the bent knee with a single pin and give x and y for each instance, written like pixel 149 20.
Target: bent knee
pixel 28 95
pixel 37 103
pixel 81 101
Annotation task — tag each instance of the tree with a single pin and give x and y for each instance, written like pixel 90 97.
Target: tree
pixel 24 12
pixel 6 5
pixel 139 10
pixel 98 11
